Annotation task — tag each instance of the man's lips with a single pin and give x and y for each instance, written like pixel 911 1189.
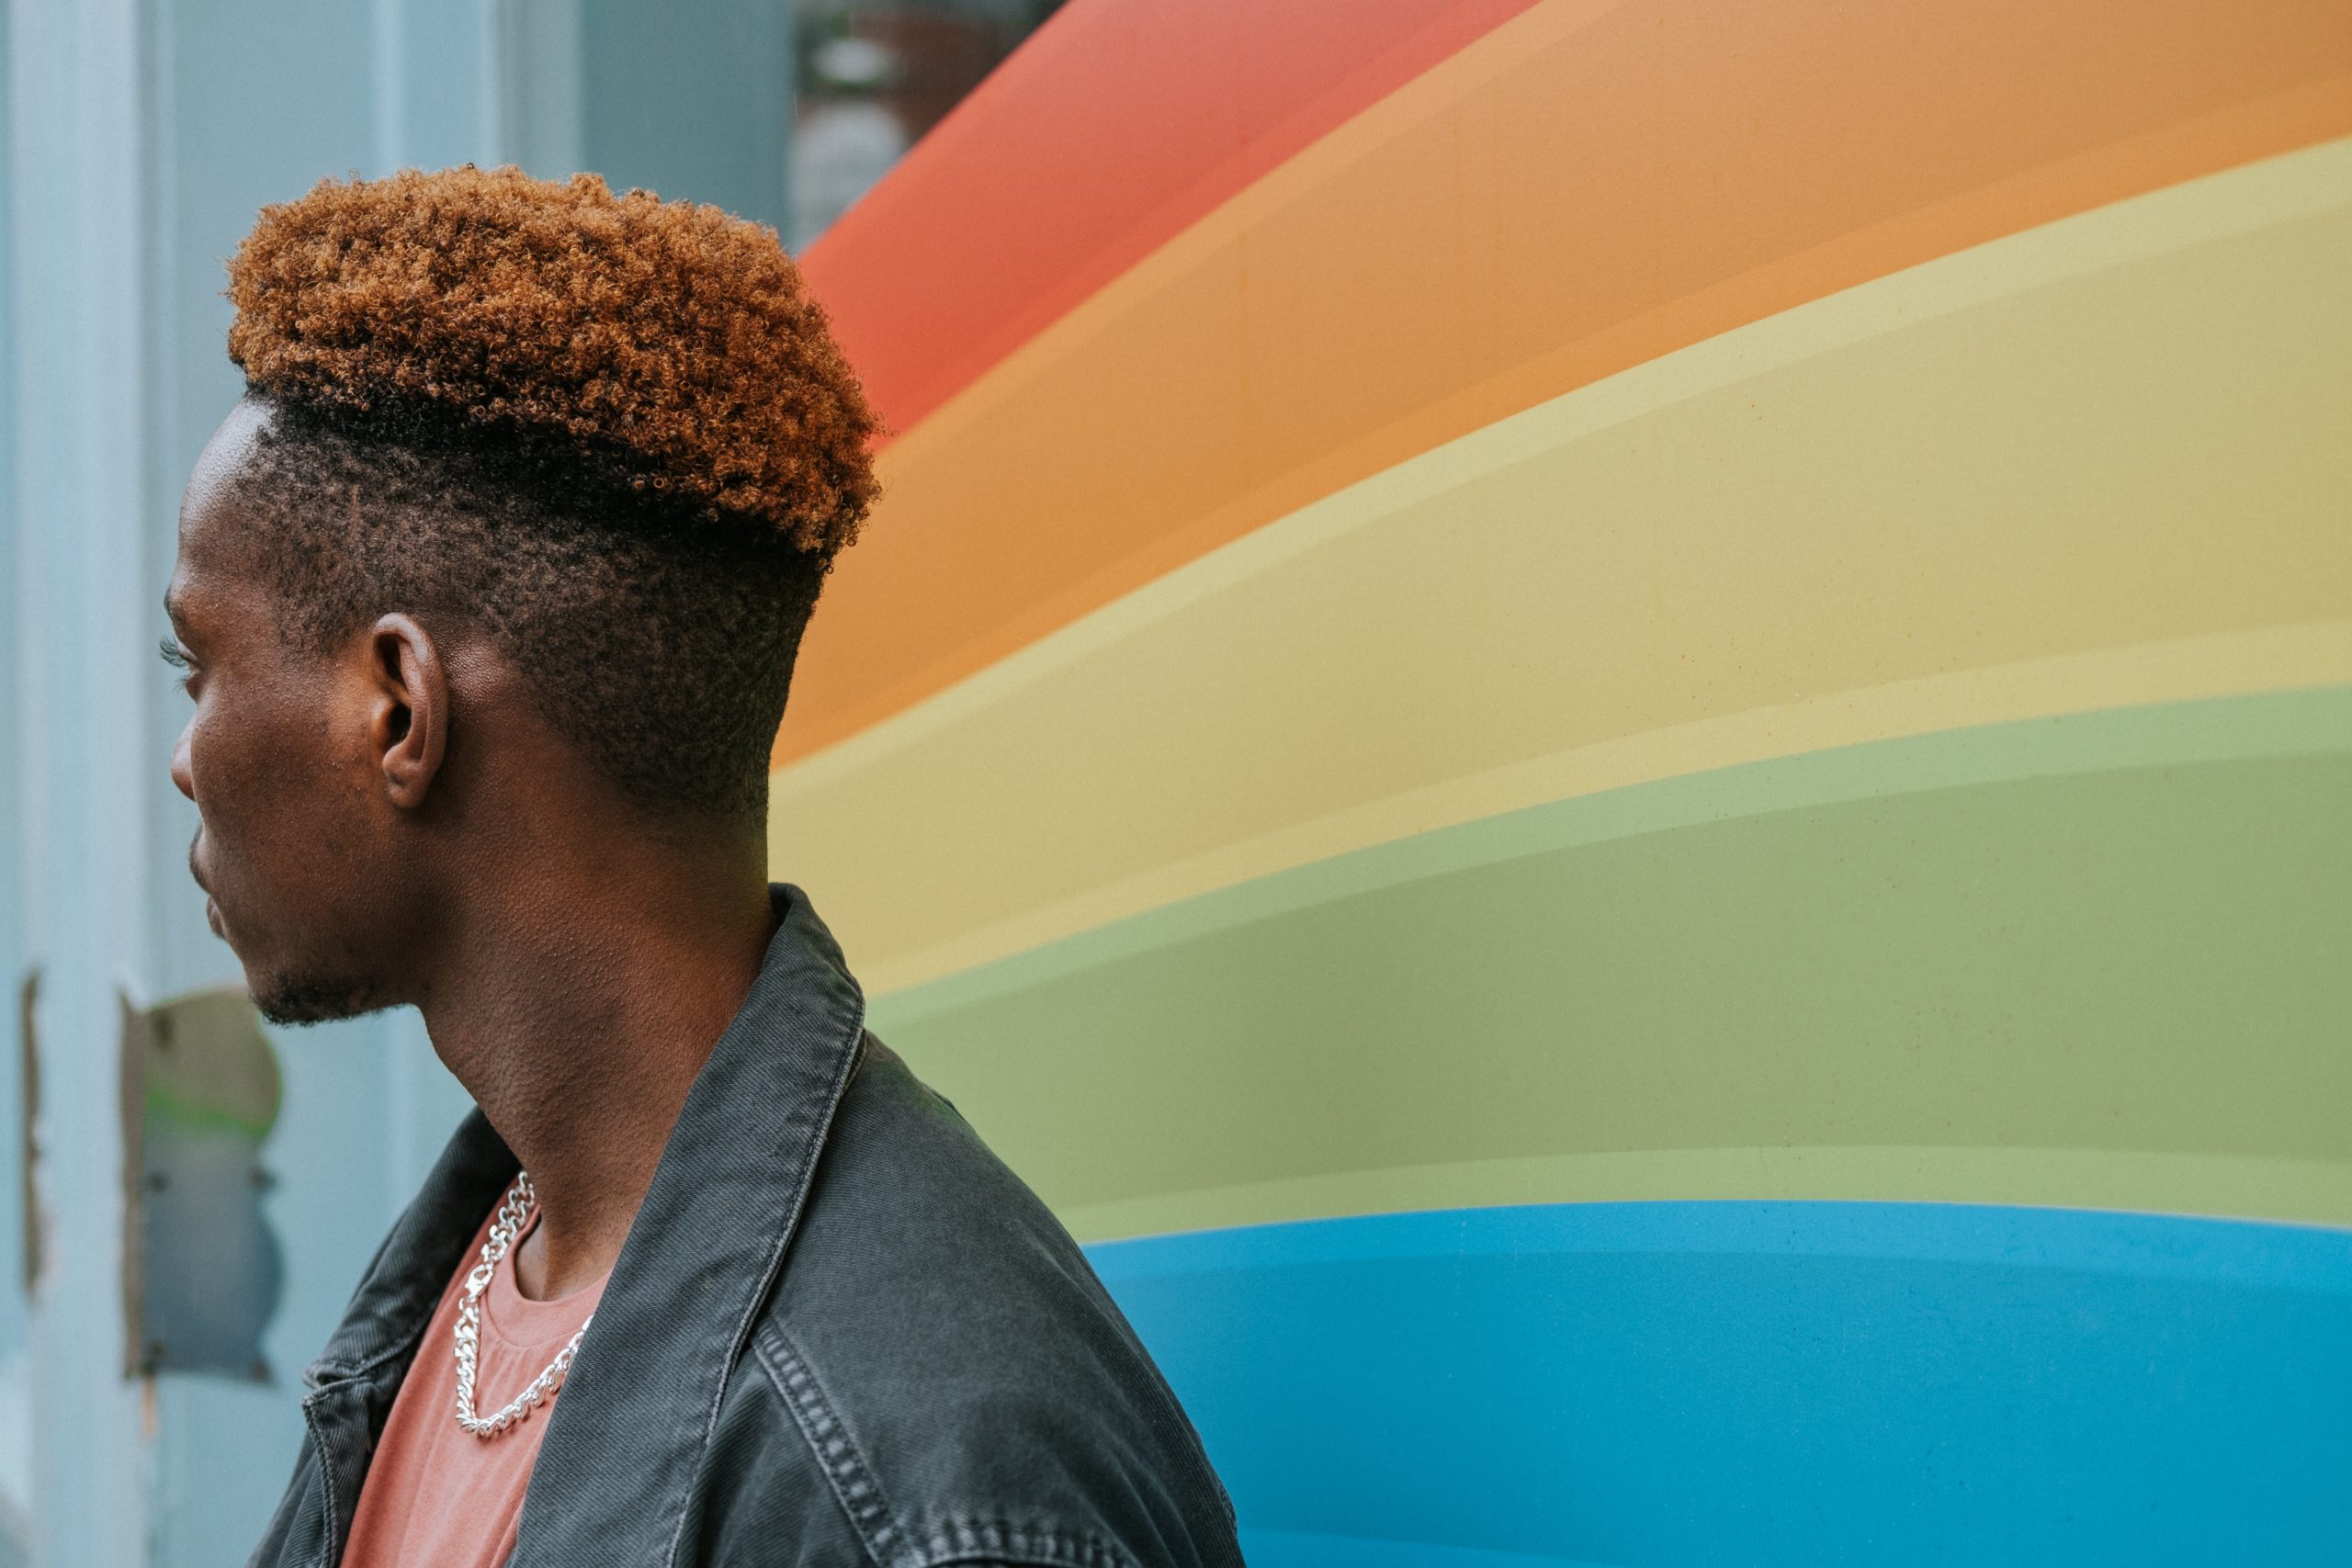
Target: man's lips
pixel 212 904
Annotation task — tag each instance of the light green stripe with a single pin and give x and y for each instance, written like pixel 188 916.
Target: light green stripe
pixel 2113 938
pixel 2284 724
pixel 2314 1191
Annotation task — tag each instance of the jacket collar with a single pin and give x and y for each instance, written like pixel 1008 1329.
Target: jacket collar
pixel 627 1439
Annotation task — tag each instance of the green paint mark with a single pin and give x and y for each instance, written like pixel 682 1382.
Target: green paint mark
pixel 2119 938
pixel 193 1115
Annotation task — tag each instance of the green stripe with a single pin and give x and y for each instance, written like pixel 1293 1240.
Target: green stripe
pixel 2312 1192
pixel 2107 944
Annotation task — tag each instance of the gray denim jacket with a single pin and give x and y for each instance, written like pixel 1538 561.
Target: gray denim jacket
pixel 841 1333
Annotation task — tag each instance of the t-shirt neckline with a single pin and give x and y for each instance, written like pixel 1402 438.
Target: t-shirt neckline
pixel 523 1323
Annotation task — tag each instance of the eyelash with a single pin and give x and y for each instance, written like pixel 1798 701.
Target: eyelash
pixel 176 657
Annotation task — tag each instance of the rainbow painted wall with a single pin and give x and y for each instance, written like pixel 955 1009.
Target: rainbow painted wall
pixel 1619 733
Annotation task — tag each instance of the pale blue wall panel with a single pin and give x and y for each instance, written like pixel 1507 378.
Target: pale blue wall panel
pixel 255 103
pixel 84 689
pixel 691 100
pixel 141 136
pixel 16 1371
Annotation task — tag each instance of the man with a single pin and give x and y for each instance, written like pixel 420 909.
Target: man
pixel 488 594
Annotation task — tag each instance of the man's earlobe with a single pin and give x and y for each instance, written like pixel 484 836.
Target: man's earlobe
pixel 410 724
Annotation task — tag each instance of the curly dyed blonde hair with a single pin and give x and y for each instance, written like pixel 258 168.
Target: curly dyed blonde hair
pixel 672 337
pixel 613 432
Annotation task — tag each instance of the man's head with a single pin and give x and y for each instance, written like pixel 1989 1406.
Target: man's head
pixel 527 505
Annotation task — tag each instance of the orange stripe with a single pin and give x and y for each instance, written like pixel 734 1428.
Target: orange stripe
pixel 1584 189
pixel 1120 123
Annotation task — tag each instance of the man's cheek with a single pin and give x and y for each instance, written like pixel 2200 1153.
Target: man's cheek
pixel 239 818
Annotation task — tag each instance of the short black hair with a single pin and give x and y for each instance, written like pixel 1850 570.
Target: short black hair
pixel 663 649
pixel 612 431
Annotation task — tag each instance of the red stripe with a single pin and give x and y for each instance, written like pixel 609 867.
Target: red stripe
pixel 1119 123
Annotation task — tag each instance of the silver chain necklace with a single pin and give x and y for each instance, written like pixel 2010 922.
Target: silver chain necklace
pixel 503 1228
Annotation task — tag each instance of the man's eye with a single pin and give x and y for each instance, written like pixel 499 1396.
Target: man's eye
pixel 176 657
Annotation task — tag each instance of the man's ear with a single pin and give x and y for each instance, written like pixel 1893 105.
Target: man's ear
pixel 408 727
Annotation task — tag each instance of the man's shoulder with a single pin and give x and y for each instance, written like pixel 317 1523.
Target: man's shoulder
pixel 955 1369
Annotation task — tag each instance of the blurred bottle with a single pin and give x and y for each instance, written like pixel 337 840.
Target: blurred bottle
pixel 877 78
pixel 847 136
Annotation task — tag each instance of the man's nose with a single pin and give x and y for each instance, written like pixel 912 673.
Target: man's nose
pixel 183 771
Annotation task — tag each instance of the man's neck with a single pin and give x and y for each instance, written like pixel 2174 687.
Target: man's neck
pixel 577 1003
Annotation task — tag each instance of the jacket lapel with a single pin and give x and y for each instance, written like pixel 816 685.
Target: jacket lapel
pixel 626 1445
pixel 351 1385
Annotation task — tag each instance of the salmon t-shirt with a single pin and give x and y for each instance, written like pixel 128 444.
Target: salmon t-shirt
pixel 435 1495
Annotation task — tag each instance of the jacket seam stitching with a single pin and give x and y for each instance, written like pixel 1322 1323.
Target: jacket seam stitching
pixel 334 1542
pixel 968 1539
pixel 347 1371
pixel 847 1471
pixel 1102 1558
pixel 800 1182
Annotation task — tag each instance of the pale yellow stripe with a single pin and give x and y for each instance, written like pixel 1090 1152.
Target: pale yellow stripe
pixel 2095 463
pixel 2309 1192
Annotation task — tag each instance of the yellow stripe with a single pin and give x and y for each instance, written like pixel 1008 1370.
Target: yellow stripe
pixel 2094 464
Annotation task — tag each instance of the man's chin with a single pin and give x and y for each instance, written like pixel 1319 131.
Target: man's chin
pixel 301 1000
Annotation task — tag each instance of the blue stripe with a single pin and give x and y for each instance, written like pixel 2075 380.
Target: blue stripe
pixel 1763 1383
